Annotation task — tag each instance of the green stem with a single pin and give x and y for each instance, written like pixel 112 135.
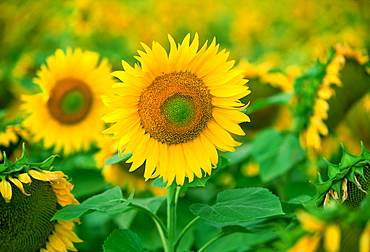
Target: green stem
pixel 185 230
pixel 158 222
pixel 210 242
pixel 172 196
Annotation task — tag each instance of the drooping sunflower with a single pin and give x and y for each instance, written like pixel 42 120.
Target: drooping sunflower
pixel 175 110
pixel 30 198
pixel 348 183
pixel 266 80
pixel 323 80
pixel 11 135
pixel 66 114
pixel 337 217
pixel 335 232
pixel 10 138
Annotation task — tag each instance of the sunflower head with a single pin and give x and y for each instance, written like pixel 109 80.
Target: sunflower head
pixel 348 183
pixel 266 80
pixel 334 229
pixel 31 195
pixel 11 134
pixel 66 114
pixel 174 110
pixel 329 84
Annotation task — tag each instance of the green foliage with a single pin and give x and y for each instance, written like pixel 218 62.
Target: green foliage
pixel 280 98
pixel 238 205
pixel 266 34
pixel 105 202
pixel 117 158
pixel 276 153
pixel 122 240
pixel 349 167
pixel 22 164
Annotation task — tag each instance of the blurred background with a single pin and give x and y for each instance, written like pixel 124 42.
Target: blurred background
pixel 277 43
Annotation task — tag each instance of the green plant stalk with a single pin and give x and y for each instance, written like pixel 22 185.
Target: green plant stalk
pixel 158 222
pixel 211 241
pixel 172 196
pixel 183 232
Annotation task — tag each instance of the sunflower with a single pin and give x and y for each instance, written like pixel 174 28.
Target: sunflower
pixel 118 174
pixel 348 183
pixel 30 198
pixel 266 81
pixel 175 110
pixel 11 135
pixel 316 128
pixel 331 231
pixel 66 114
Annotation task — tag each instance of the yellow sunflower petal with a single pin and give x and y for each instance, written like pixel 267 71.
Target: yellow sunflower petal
pixel 42 176
pixel 67 232
pixel 309 222
pixel 306 244
pixel 365 238
pixel 332 238
pixel 19 185
pixel 24 178
pixel 6 190
pixel 56 243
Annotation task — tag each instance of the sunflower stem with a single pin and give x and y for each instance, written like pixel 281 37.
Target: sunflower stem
pixel 183 232
pixel 210 242
pixel 172 196
pixel 158 222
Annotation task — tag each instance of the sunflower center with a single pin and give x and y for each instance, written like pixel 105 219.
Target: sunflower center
pixel 178 110
pixel 70 101
pixel 175 108
pixel 25 220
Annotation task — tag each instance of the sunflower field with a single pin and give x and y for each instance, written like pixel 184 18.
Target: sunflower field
pixel 182 126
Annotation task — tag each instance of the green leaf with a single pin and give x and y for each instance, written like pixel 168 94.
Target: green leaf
pixel 71 212
pixel 23 159
pixel 105 202
pixel 117 158
pixel 6 162
pixel 276 153
pixel 122 240
pixel 13 168
pixel 2 167
pixel 281 98
pixel 239 205
pixel 158 182
pixel 296 203
pixel 240 154
pixel 234 229
pixel 152 204
pixel 46 164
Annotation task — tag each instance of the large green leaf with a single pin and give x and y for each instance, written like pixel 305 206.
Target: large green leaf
pixel 276 153
pixel 122 240
pixel 237 205
pixel 106 201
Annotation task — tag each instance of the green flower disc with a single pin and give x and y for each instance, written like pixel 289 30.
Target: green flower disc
pixel 178 110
